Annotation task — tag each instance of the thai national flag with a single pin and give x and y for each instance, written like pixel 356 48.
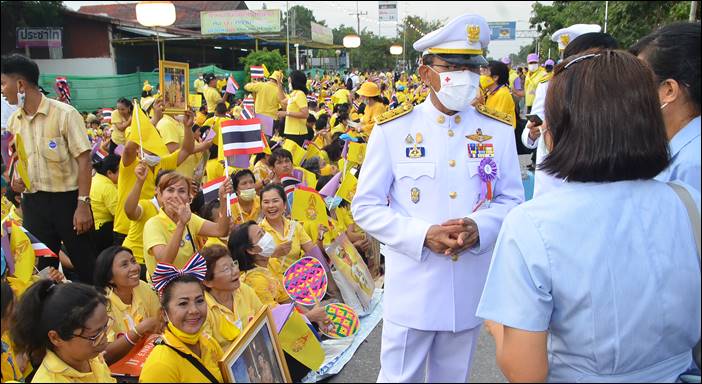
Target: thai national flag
pixel 241 137
pixel 248 111
pixel 257 72
pixel 393 101
pixel 210 190
pixel 40 249
pixel 289 182
pixel 232 85
pixel 327 100
pixel 311 98
pixel 107 115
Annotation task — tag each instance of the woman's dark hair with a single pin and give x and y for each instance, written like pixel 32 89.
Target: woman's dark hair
pixel 275 187
pixel 322 181
pixel 209 209
pixel 334 150
pixel 624 140
pixel 277 154
pixel 126 103
pixel 349 84
pixel 260 156
pixel 673 52
pixel 342 113
pixel 322 122
pixel 212 254
pixel 7 297
pixel 46 306
pixel 221 108
pixel 166 293
pixel 299 81
pixel 499 69
pixel 236 178
pixel 109 163
pixel 239 242
pixel 22 66
pixel 378 99
pixel 311 119
pixel 312 165
pixel 103 267
pixel 590 40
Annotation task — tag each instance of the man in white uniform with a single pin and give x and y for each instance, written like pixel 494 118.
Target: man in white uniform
pixel 435 185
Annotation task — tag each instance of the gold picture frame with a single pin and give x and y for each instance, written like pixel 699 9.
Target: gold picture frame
pixel 174 80
pixel 248 359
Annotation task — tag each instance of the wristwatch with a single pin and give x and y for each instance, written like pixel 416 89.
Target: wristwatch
pixel 85 199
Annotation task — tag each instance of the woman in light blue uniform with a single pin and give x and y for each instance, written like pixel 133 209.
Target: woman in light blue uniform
pixel 598 281
pixel 673 52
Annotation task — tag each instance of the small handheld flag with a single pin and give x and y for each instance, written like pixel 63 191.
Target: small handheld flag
pixel 232 85
pixel 257 72
pixel 241 137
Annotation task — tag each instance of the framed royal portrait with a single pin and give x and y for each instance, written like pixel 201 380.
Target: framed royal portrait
pixel 256 356
pixel 173 86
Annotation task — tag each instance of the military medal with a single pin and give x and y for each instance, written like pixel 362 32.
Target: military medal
pixel 488 173
pixel 409 140
pixel 478 136
pixel 415 152
pixel 414 195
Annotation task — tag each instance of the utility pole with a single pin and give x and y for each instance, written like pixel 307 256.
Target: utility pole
pixel 287 34
pixel 693 10
pixel 606 15
pixel 358 20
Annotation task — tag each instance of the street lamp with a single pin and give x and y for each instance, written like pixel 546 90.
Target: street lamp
pixel 297 56
pixel 156 14
pixel 396 50
pixel 338 52
pixel 352 41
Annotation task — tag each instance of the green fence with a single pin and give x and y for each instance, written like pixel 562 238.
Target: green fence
pixel 89 93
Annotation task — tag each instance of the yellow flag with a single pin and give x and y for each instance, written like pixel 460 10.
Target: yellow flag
pixel 265 71
pixel 195 100
pixel 357 152
pixel 313 151
pixel 347 189
pixel 21 163
pixel 297 339
pixel 308 207
pixel 150 139
pixel 298 153
pixel 23 253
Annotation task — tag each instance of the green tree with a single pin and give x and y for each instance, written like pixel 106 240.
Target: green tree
pixel 300 18
pixel 415 28
pixel 27 14
pixel 272 59
pixel 627 21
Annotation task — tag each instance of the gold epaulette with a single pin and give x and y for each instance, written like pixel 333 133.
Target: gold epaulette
pixel 394 113
pixel 497 115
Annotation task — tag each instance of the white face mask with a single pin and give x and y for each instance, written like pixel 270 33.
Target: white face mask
pixel 247 194
pixel 458 89
pixel 267 245
pixel 533 67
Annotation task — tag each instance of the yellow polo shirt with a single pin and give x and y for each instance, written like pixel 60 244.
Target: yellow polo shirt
pixel 299 237
pixel 267 284
pixel 246 305
pixel 164 365
pixel 159 230
pixel 52 138
pixel 126 181
pixel 144 304
pixel 294 125
pixel 240 216
pixel 369 115
pixel 171 131
pixel 54 370
pixel 103 200
pixel 135 236
pixel 266 97
pixel 212 97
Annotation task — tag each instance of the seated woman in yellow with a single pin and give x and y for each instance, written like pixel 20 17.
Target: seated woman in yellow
pixel 495 83
pixel 134 305
pixel 169 237
pixel 370 94
pixel 248 208
pixel 103 199
pixel 231 304
pixel 67 324
pixel 292 242
pixel 185 353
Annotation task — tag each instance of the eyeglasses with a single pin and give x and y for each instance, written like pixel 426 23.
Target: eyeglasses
pixel 97 339
pixel 229 268
pixel 581 58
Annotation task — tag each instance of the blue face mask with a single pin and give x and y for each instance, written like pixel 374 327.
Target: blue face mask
pixel 333 202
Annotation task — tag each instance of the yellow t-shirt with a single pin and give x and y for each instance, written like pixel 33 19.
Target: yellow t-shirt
pixel 171 131
pixel 117 136
pixel 126 181
pixel 369 115
pixel 221 83
pixel 341 96
pixel 502 101
pixel 144 304
pixel 214 169
pixel 246 305
pixel 159 230
pixel 54 370
pixel 293 125
pixel 266 100
pixel 164 365
pixel 267 284
pixel 103 200
pixel 299 237
pixel 240 216
pixel 135 236
pixel 212 97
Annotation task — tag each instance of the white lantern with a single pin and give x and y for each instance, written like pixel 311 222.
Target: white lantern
pixel 396 50
pixel 155 13
pixel 352 41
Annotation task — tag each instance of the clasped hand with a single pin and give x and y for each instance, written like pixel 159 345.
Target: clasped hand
pixel 452 237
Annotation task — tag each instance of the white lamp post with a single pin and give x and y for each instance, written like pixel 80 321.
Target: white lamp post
pixel 396 50
pixel 156 14
pixel 352 41
pixel 338 52
pixel 297 56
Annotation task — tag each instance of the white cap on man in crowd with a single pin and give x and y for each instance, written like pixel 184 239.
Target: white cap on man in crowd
pixel 460 42
pixel 564 36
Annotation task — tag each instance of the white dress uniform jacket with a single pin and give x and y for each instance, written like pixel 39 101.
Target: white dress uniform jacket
pixel 425 290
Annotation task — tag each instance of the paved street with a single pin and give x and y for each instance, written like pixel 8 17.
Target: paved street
pixel 365 365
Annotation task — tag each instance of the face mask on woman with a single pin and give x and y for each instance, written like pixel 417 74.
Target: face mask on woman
pixel 267 245
pixel 533 67
pixel 486 81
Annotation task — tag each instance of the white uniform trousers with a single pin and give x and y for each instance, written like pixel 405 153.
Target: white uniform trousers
pixel 411 355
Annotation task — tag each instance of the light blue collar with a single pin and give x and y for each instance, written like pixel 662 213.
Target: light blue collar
pixel 684 136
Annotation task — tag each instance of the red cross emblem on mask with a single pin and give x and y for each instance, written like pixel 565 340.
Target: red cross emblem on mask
pixel 447 79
